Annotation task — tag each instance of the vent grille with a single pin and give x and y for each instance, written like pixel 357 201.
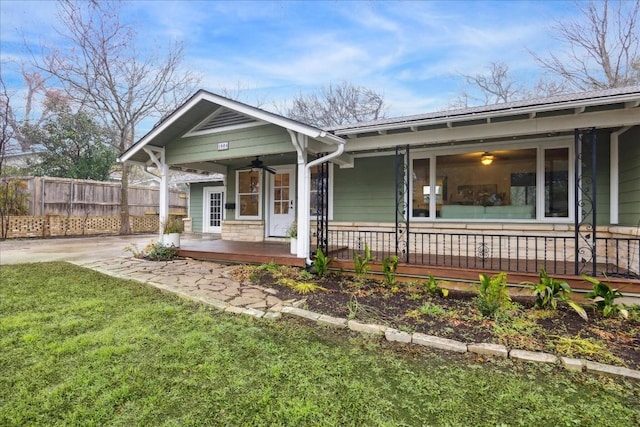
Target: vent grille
pixel 223 119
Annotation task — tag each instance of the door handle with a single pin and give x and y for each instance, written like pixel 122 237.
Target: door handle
pixel 290 204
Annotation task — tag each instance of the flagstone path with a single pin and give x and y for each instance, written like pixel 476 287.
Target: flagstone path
pixel 202 281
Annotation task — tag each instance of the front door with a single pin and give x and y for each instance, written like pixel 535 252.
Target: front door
pixel 213 210
pixel 281 200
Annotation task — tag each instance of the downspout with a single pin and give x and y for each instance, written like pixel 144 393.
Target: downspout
pixel 302 217
pixel 614 178
pixel 304 190
pixel 307 192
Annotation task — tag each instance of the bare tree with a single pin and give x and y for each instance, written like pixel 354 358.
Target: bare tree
pixel 602 46
pixel 337 104
pixel 496 86
pixel 6 130
pixel 499 84
pixel 101 70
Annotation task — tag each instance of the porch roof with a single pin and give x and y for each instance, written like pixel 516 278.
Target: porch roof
pixel 577 103
pixel 197 115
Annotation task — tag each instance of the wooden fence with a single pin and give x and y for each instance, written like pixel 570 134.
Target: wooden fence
pixel 77 197
pixel 69 207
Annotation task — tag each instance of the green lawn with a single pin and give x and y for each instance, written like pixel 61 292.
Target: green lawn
pixel 81 348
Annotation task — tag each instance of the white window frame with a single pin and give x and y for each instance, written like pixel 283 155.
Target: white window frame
pixel 260 196
pixel 539 145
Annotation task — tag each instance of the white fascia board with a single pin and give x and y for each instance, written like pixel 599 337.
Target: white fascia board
pixel 611 118
pixel 532 111
pixel 248 110
pixel 159 129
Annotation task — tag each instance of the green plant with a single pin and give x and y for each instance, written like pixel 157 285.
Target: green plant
pixel 353 307
pixel 154 251
pixel 389 268
pixel 301 287
pixel 604 297
pixel 321 263
pixel 430 309
pixel 362 263
pixel 173 225
pixel 492 294
pixel 13 202
pixel 432 286
pixel 135 251
pixel 548 291
pixel 292 231
pixel 158 252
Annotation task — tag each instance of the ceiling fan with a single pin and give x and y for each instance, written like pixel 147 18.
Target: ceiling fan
pixel 259 164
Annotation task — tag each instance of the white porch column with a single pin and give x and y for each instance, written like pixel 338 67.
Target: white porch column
pixel 156 154
pixel 301 143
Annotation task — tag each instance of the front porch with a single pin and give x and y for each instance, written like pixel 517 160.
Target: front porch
pixel 211 248
pixel 443 265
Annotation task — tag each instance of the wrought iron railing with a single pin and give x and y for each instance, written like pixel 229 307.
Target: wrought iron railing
pixel 619 257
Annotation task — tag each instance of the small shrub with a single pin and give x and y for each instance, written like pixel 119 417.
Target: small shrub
pixel 173 225
pixel 135 251
pixel 432 287
pixel 301 287
pixel 362 263
pixel 321 263
pixel 548 291
pixel 389 268
pixel 604 298
pixel 584 347
pixel 429 309
pixel 13 202
pixel 154 251
pixel 492 294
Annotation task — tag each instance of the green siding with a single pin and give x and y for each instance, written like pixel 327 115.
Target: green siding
pixel 366 192
pixel 603 185
pixel 629 191
pixel 602 176
pixel 196 193
pixel 260 140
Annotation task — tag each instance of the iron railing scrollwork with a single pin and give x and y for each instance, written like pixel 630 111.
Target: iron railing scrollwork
pixel 585 201
pixel 322 205
pixel 402 170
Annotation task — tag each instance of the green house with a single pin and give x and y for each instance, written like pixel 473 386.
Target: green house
pixel 542 180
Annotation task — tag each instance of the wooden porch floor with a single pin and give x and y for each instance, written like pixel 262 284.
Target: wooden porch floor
pixel 241 252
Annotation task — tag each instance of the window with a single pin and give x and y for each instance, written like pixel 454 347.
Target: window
pixel 249 194
pixel 556 183
pixel 510 186
pixel 318 182
pixel 421 194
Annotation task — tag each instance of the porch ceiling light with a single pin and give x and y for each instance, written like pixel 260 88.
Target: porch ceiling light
pixel 487 158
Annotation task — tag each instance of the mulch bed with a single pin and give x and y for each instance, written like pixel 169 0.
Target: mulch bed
pixel 408 307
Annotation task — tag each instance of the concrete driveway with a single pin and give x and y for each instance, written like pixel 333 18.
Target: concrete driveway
pixel 70 248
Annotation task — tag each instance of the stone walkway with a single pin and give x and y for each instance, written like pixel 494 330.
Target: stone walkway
pixel 203 281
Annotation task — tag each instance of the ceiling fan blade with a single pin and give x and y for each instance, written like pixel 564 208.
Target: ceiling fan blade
pixel 268 169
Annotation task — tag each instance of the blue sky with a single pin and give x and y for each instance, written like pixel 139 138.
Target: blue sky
pixel 411 51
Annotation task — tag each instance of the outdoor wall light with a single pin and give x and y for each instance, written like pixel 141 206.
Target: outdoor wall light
pixel 487 158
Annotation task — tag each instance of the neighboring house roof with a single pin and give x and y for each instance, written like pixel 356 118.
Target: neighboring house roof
pixel 580 102
pixel 205 111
